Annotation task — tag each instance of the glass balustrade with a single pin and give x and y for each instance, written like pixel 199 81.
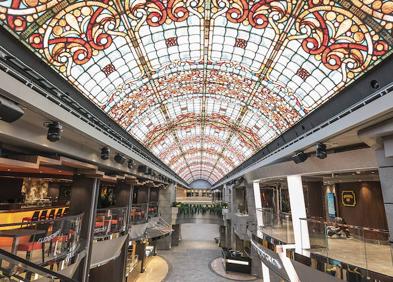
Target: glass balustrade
pixel 43 242
pixel 139 213
pixel 110 221
pixel 14 268
pixel 358 246
pixel 277 225
pixel 153 209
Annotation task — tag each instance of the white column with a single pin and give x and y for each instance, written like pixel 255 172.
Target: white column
pixel 298 210
pixel 259 217
pixel 258 205
pixel 265 273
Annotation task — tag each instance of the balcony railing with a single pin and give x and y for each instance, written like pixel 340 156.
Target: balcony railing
pixel 152 209
pixel 44 242
pixel 14 268
pixel 278 226
pixel 138 213
pixel 109 222
pixel 362 247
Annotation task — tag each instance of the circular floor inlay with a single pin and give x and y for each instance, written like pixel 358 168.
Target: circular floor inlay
pixel 217 266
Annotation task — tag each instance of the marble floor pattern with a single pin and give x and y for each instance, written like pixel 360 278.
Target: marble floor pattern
pixel 190 260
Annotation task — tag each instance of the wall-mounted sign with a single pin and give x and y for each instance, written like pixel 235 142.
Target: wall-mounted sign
pixel 331 203
pixel 348 198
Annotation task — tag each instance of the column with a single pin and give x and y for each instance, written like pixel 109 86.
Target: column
pixel 166 198
pixel 84 197
pixel 298 211
pixel 123 198
pixel 258 206
pixel 385 169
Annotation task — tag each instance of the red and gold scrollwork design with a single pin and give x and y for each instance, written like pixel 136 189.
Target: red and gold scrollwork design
pixel 17 15
pixel 380 10
pixel 338 38
pixel 157 12
pixel 76 34
pixel 256 13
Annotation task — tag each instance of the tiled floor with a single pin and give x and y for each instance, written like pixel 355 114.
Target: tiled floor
pixel 190 260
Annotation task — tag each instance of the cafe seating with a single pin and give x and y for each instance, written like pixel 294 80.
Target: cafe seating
pixel 31 219
pixel 52 214
pixel 32 244
pixel 66 210
pixel 59 213
pixel 43 215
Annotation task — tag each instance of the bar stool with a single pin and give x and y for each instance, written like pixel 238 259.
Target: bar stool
pixel 59 212
pixel 66 210
pixel 43 215
pixel 52 214
pixel 28 220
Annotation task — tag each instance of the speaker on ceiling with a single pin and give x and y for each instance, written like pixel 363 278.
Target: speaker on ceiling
pixel 299 157
pixel 321 152
pixel 9 110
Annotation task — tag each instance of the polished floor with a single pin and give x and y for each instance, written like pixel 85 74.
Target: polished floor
pixel 189 262
pixel 370 256
pixel 217 265
pixel 156 270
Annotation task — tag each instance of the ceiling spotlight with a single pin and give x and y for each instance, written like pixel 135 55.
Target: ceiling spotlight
pixel 54 131
pixel 130 163
pixel 299 157
pixel 321 152
pixel 105 153
pixel 120 159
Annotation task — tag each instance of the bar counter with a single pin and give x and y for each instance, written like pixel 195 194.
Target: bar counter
pixel 17 215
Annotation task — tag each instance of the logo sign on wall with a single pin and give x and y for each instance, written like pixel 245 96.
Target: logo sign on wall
pixel 348 198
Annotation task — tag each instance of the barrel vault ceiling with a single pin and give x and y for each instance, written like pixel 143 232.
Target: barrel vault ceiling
pixel 205 84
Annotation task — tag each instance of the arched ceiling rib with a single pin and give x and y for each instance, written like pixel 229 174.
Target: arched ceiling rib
pixel 205 84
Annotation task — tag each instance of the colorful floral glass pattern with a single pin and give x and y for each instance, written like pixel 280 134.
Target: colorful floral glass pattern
pixel 205 84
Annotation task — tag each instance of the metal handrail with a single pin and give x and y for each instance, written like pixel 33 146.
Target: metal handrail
pixel 32 267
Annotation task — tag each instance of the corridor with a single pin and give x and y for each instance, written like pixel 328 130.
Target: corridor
pixel 190 260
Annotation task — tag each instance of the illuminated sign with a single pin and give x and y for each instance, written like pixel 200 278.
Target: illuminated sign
pixel 348 198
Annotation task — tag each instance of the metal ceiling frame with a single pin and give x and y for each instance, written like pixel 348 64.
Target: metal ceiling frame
pixel 326 114
pixel 22 64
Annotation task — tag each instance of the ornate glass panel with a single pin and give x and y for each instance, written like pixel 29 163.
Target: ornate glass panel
pixel 205 84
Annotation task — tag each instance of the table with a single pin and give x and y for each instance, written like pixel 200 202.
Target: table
pixel 17 233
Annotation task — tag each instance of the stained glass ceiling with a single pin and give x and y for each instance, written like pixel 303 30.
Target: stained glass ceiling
pixel 205 84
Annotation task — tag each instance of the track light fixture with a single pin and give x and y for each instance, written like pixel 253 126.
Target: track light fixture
pixel 54 131
pixel 130 163
pixel 299 157
pixel 321 152
pixel 120 159
pixel 105 153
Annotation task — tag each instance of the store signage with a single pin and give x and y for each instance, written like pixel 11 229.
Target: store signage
pixel 331 205
pixel 50 237
pixel 271 260
pixel 348 198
